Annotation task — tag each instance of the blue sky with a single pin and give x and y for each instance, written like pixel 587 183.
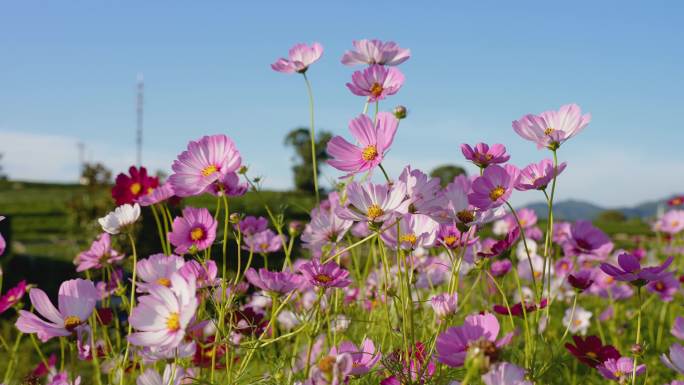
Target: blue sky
pixel 68 74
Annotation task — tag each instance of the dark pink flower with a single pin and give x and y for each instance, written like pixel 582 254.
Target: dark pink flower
pixel 325 275
pixel 281 282
pixel 129 189
pixel 665 286
pixel 587 241
pixel 479 331
pixel 502 245
pixel 13 296
pixel 630 270
pixel 494 187
pixel 194 231
pixel 581 280
pixel 482 155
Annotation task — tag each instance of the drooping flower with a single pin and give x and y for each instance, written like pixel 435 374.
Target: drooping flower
pixel 159 194
pixel 162 316
pixel 263 242
pixel 501 267
pixel 665 286
pixel 171 372
pixel 364 357
pixel 228 184
pixel 325 275
pixel 13 296
pixel 550 129
pixel 672 222
pixel 415 230
pixel 281 282
pixel 620 369
pixel 194 231
pixel 120 219
pixel 204 162
pixel 444 304
pixel 577 322
pixel 376 82
pixel 131 188
pixel 591 351
pixel 494 187
pixel 536 176
pixel 300 57
pixel 482 155
pixel 587 241
pixel 374 140
pixel 675 360
pixel 157 269
pixel 502 245
pixel 505 373
pixel 99 255
pixel 375 52
pixel 581 280
pixel 630 270
pixel 374 202
pixel 76 298
pixel 479 331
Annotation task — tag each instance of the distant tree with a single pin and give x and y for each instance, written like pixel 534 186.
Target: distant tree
pixel 95 175
pixel 3 176
pixel 611 216
pixel 446 173
pixel 302 170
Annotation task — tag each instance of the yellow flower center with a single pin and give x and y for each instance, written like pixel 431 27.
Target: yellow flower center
pixel 326 364
pixel 450 240
pixel 548 131
pixel 263 246
pixel 150 190
pixel 465 216
pixel 135 188
pixel 592 355
pixel 323 278
pixel 497 193
pixel 659 286
pixel 197 234
pixel 164 282
pixel 674 223
pixel 11 298
pixel 71 322
pixel 369 153
pixel 209 170
pixel 376 90
pixel 374 211
pixel 173 322
pixel 409 238
pixel 577 322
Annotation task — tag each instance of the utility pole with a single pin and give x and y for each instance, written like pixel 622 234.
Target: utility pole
pixel 139 118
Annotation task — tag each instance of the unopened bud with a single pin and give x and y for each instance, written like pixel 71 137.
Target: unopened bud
pixel 295 227
pixel 637 349
pixel 234 218
pixel 242 170
pixel 400 112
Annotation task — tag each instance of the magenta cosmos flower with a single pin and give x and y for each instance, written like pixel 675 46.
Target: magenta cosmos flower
pixel 423 192
pixel 478 331
pixel 157 269
pixel 672 222
pixel 76 298
pixel 619 369
pixel 630 270
pixel 482 155
pixel 494 187
pixel 537 176
pixel 281 282
pixel 263 242
pixel 666 286
pixel 373 141
pixel 325 228
pixel 228 185
pixel 551 128
pixel 251 225
pixel 376 82
pixel 160 318
pixel 375 52
pixel 13 296
pixel 374 202
pixel 3 244
pixel 363 357
pixel 326 275
pixel 415 230
pixel 203 163
pixel 194 231
pixel 99 255
pixel 587 241
pixel 300 57
pixel 451 237
pixel 159 194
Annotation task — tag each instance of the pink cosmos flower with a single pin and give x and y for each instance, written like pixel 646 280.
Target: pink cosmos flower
pixel 666 286
pixel 375 52
pixel 332 369
pixel 675 360
pixel 494 187
pixel 587 241
pixel 630 270
pixel 13 296
pixel 376 82
pixel 251 225
pixel 678 328
pixel 415 230
pixel 76 297
pixel 672 222
pixel 157 269
pixel 228 184
pixel 505 373
pixel 263 242
pixel 483 155
pixel 161 317
pixel 325 275
pixel 151 377
pixel 159 194
pixel 204 275
pixel 364 357
pixel 300 57
pixel 619 369
pixel 537 176
pixel 374 202
pixel 501 246
pixel 99 255
pixel 444 304
pixel 500 268
pixel 203 163
pixel 325 228
pixel 423 192
pixel 281 282
pixel 3 244
pixel 451 237
pixel 551 128
pixel 62 378
pixel 478 331
pixel 194 231
pixel 374 141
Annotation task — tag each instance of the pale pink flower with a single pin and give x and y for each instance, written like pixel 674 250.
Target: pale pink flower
pixel 376 52
pixel 99 255
pixel 300 57
pixel 374 202
pixel 376 82
pixel 551 128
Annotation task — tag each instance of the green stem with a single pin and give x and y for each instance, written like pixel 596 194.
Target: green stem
pixel 313 137
pixel 131 303
pixel 638 335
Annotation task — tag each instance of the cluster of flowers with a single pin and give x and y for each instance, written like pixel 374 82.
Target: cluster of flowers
pixel 388 255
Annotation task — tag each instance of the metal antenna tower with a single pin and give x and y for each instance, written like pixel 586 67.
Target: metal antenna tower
pixel 139 118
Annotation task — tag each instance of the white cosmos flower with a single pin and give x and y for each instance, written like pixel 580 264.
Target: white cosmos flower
pixel 579 322
pixel 122 216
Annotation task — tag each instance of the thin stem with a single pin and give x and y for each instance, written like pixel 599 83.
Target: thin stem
pixel 638 335
pixel 131 302
pixel 313 137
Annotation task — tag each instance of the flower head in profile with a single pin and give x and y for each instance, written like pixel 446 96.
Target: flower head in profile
pixel 620 369
pixel 172 375
pixel 281 282
pixel 300 57
pixel 62 378
pixel 121 219
pixel 13 296
pixel 591 351
pixel 157 269
pixel 479 331
pixel 263 242
pixel 364 357
pixel 666 286
pixel 415 230
pixel 250 225
pixel 376 82
pixel 675 360
pixel 550 129
pixel 517 309
pixel 581 280
pixel 375 203
pixel 99 255
pixel 678 328
pixel 482 155
pixel 423 192
pixel 131 188
pixel 76 299
pixel 505 373
pixel 204 162
pixel 375 51
pixel 494 187
pixel 229 185
pixel 194 231
pixel 3 243
pixel 205 274
pixel 374 140
pixel 325 275
pixel 159 194
pixel 587 241
pixel 161 317
pixel 536 176
pixel 325 228
pixel 444 304
pixel 501 246
pixel 629 270
pixel 332 369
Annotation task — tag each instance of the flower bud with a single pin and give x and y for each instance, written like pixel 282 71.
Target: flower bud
pixel 242 170
pixel 400 112
pixel 234 218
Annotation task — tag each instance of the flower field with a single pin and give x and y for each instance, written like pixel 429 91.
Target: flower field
pixel 384 279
